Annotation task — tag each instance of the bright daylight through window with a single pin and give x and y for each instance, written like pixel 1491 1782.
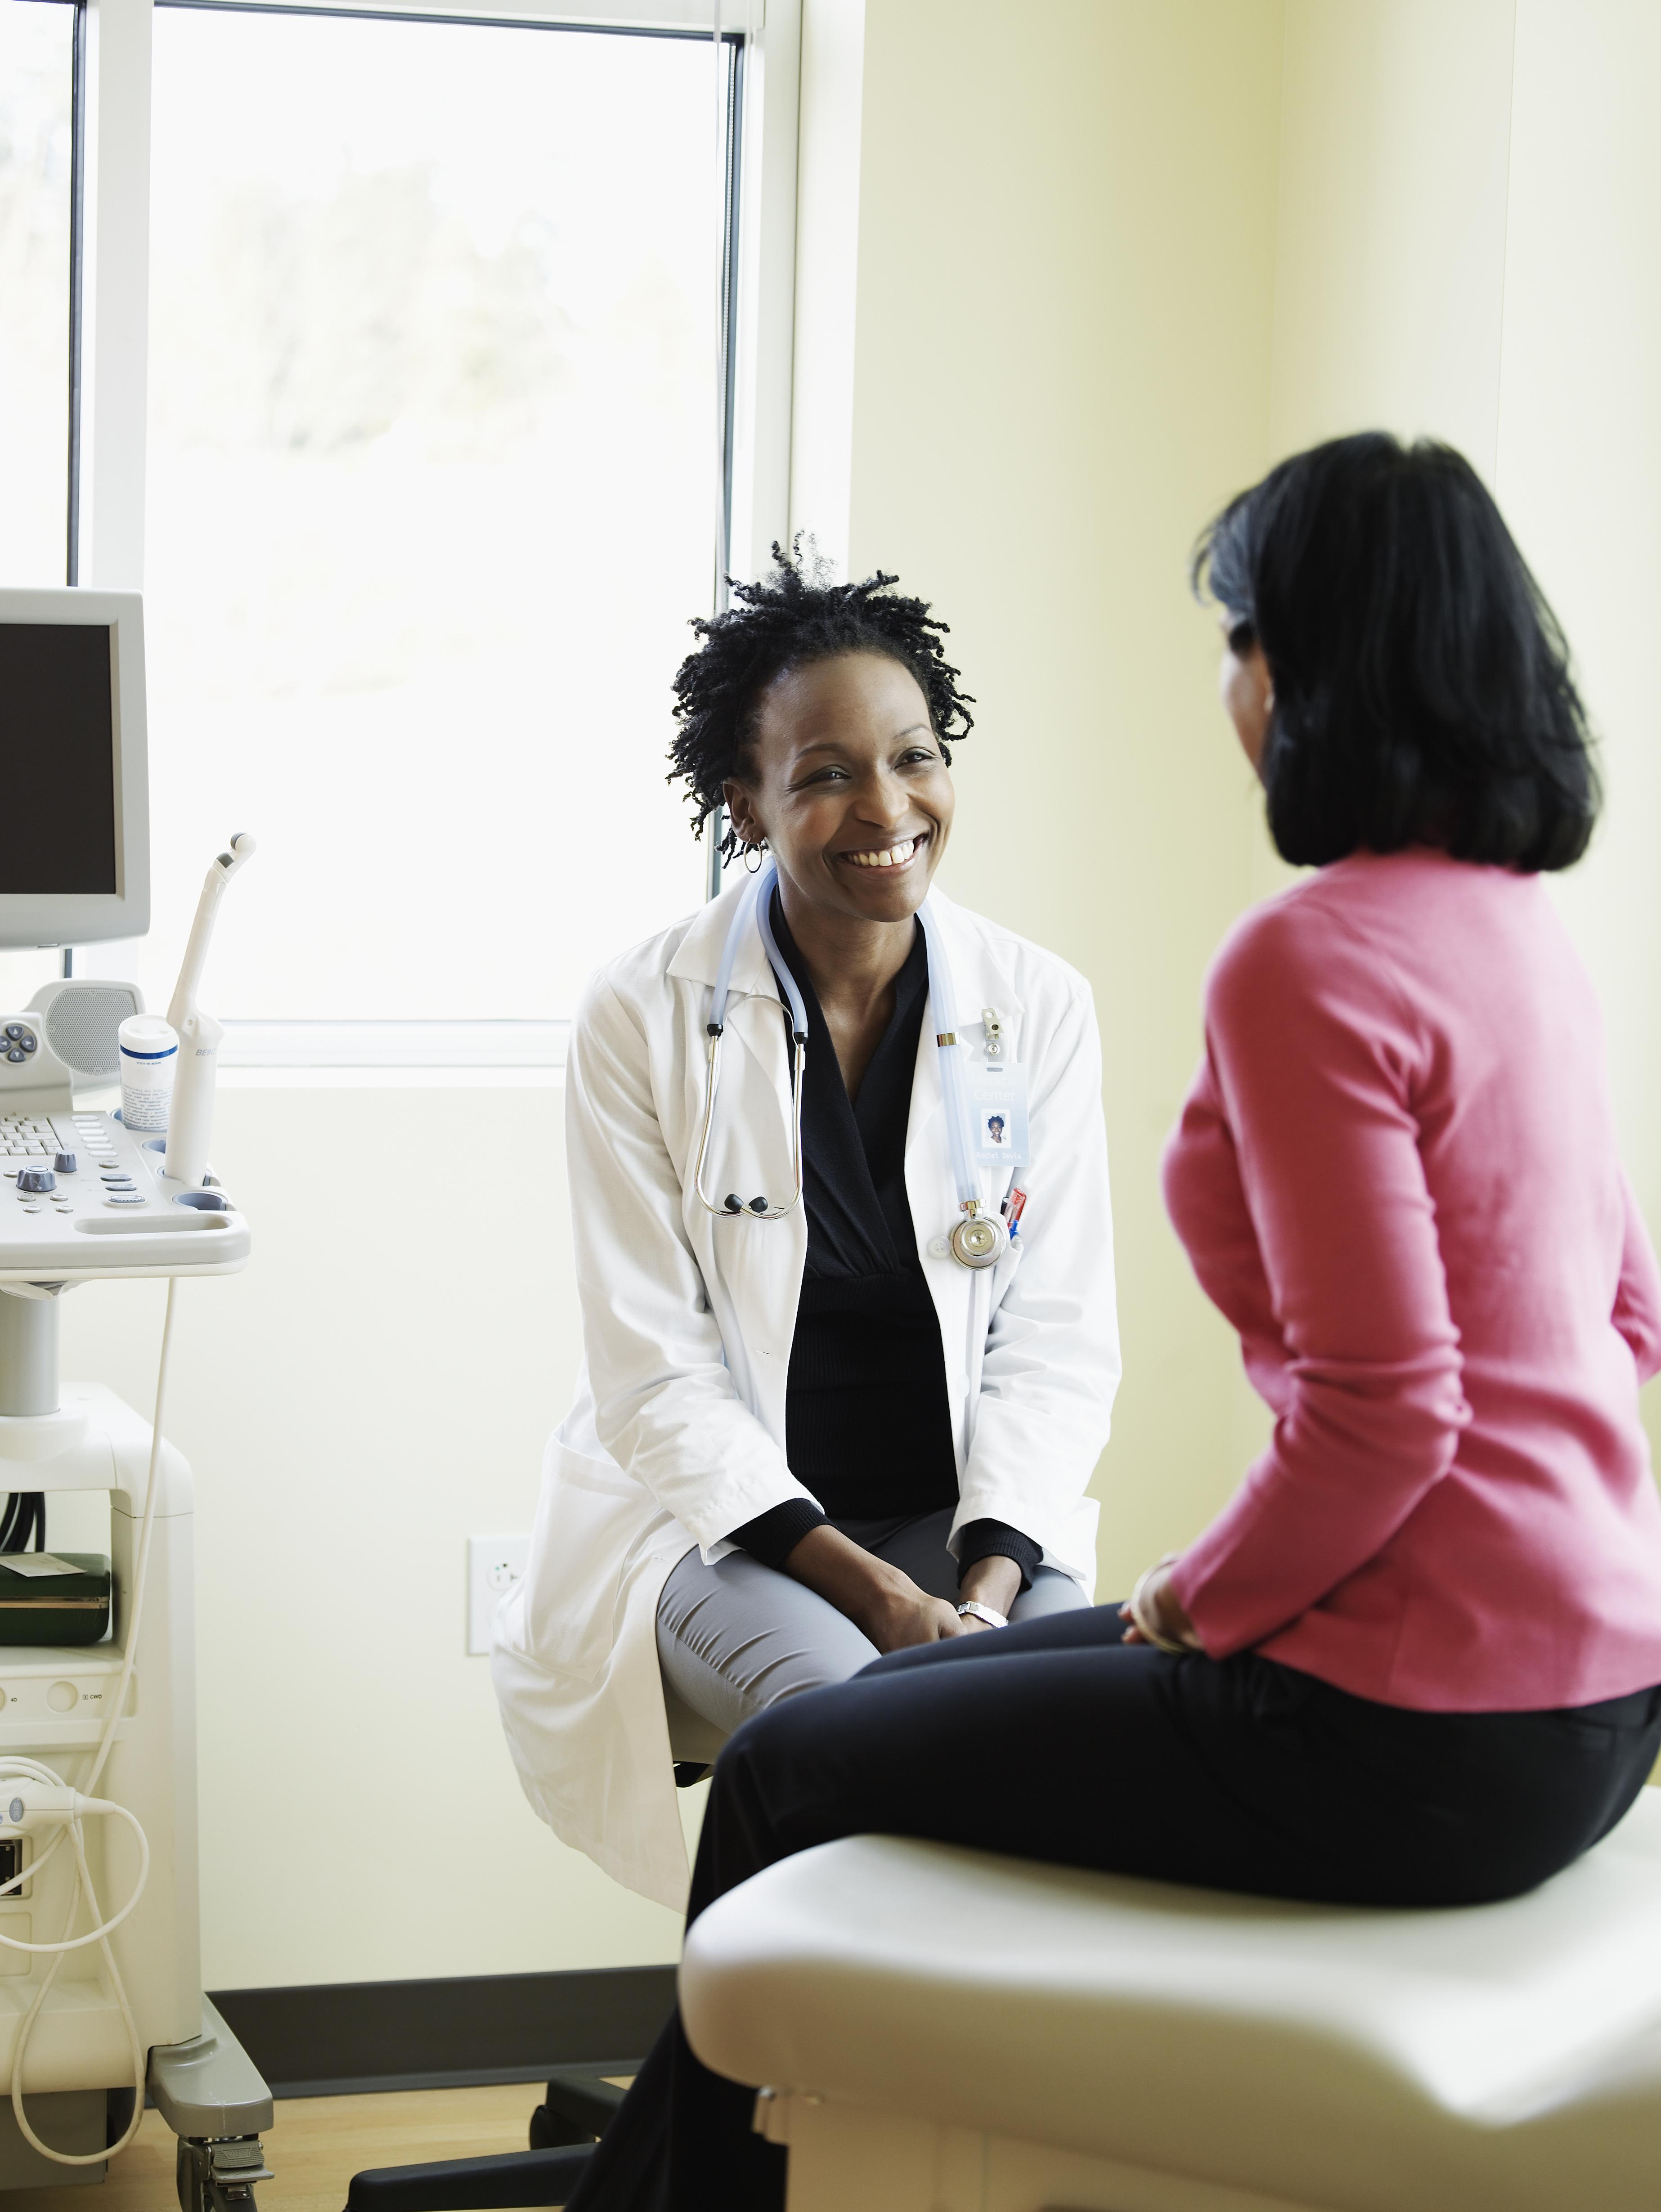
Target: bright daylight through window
pixel 431 496
pixel 37 40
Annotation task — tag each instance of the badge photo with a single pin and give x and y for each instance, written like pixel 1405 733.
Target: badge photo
pixel 998 1107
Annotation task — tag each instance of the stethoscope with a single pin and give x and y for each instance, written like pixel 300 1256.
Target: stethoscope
pixel 979 1239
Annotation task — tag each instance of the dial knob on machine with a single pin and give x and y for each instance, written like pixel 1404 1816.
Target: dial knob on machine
pixel 64 1163
pixel 36 1179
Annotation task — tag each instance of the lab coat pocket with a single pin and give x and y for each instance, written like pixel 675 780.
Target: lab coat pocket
pixel 1006 1270
pixel 586 1524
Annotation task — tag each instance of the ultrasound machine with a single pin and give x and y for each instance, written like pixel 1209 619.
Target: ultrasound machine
pixel 100 1985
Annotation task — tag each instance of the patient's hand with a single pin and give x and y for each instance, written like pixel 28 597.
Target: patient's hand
pixel 1166 1610
pixel 886 1604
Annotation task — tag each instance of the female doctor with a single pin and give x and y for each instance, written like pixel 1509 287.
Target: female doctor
pixel 841 1214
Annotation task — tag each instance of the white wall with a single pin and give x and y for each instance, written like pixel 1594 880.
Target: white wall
pixel 376 1385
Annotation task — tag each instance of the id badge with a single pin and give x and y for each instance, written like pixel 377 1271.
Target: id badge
pixel 997 1107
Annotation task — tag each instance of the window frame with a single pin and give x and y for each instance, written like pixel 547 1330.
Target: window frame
pixel 750 493
pixel 78 13
pixel 77 267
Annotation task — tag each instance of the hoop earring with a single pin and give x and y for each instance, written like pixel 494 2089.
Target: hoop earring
pixel 753 856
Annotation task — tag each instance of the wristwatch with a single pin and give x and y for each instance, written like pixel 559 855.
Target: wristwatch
pixel 983 1613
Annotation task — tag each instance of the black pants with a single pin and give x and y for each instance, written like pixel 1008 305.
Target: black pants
pixel 1056 1741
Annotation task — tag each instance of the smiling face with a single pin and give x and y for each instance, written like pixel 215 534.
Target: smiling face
pixel 846 784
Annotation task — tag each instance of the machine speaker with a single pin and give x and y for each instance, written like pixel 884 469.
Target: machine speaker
pixel 81 1017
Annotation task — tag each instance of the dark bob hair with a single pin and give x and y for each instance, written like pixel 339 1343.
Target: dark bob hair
pixel 1422 693
pixel 796 614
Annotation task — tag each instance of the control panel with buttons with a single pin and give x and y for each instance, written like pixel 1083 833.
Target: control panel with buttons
pixel 81 1195
pixel 55 1695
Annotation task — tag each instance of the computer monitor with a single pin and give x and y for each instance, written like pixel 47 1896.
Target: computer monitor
pixel 75 828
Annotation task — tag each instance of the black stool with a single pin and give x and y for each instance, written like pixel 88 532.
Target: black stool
pixel 564 2128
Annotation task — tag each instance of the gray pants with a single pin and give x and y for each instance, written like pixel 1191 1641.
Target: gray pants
pixel 735 1638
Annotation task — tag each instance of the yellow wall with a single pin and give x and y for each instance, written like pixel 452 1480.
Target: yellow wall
pixel 1390 220
pixel 1579 468
pixel 1062 368
pixel 1107 271
pixel 1469 243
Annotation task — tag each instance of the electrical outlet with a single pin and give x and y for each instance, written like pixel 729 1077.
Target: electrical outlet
pixel 495 1564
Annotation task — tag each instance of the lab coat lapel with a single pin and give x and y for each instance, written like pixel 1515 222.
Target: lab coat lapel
pixel 961 1295
pixel 759 1263
pixel 750 1147
pixel 698 955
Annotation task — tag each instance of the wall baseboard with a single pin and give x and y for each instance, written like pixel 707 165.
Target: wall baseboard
pixel 344 2038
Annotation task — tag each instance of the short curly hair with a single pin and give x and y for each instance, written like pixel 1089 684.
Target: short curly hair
pixel 793 616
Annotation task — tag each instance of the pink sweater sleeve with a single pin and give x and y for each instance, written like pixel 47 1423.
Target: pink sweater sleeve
pixel 1638 1298
pixel 1312 1054
pixel 1222 1245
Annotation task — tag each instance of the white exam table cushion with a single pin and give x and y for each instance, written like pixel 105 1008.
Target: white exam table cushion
pixel 1495 2058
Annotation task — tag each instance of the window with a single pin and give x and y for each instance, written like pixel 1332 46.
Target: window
pixel 436 428
pixel 37 168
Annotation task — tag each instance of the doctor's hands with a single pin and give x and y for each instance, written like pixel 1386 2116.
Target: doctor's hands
pixel 905 1615
pixel 885 1604
pixel 994 1581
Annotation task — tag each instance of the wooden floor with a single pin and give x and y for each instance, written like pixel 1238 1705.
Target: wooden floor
pixel 315 2147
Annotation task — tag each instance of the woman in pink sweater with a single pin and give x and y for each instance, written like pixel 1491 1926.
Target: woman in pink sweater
pixel 1414 1661
pixel 1396 1173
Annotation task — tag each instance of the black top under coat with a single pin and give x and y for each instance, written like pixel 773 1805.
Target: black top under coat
pixel 868 1419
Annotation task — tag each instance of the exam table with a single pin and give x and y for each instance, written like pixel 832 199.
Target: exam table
pixel 1115 2045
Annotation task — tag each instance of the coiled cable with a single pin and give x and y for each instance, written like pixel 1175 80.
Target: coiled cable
pixel 31 1770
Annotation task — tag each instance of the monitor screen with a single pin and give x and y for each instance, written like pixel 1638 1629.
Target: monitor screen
pixel 58 764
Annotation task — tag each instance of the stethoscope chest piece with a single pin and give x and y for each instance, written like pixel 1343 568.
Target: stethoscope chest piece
pixel 980 1240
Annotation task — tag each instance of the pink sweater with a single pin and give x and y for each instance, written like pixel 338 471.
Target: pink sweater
pixel 1396 1176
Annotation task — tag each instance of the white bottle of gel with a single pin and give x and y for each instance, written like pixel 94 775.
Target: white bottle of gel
pixel 149 1061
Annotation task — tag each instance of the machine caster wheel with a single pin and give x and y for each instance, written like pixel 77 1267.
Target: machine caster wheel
pixel 218 2174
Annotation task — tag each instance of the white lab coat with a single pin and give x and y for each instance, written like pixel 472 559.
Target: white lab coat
pixel 678 1433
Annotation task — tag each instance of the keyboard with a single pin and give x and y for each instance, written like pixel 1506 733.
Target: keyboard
pixel 81 1195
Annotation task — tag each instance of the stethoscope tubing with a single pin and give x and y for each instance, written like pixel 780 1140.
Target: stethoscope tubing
pixel 754 900
pixel 988 1239
pixel 942 1001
